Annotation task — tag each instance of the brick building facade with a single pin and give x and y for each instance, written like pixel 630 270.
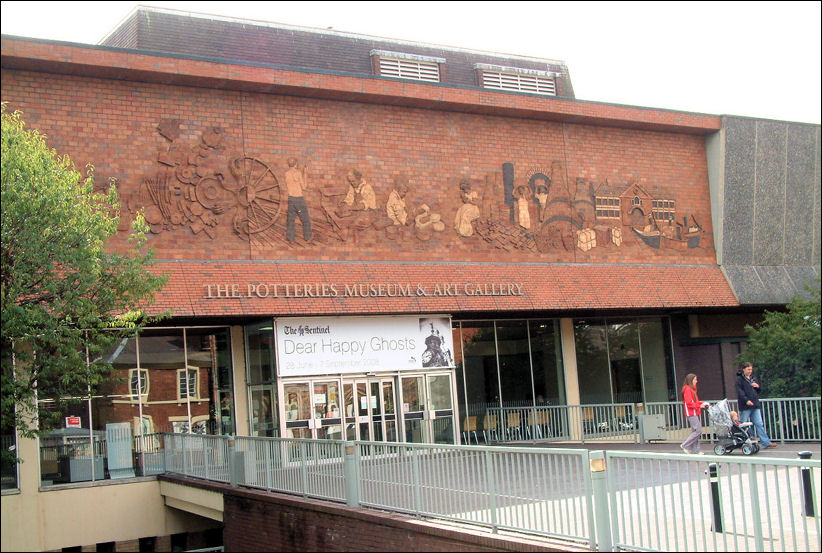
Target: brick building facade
pixel 576 252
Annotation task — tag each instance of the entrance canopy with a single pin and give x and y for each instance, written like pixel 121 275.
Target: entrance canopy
pixel 254 288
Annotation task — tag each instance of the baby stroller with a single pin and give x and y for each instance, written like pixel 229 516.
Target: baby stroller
pixel 732 434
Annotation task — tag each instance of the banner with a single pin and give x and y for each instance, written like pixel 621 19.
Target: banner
pixel 344 345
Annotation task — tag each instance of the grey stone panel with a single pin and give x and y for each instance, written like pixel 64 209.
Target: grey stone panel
pixel 817 199
pixel 769 217
pixel 801 275
pixel 740 137
pixel 778 285
pixel 745 283
pixel 800 225
pixel 769 285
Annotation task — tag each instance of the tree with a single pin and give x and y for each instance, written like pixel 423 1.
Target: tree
pixel 785 348
pixel 66 297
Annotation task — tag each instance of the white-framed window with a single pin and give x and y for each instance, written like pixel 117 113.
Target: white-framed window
pixel 138 380
pixel 407 66
pixel 188 385
pixel 182 424
pixel 607 207
pixel 516 79
pixel 663 210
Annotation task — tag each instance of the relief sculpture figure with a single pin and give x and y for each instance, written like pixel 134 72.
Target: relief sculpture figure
pixel 357 211
pixel 295 183
pixel 522 196
pixel 468 212
pixel 395 207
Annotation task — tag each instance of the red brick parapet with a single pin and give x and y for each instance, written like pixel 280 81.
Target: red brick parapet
pixel 111 63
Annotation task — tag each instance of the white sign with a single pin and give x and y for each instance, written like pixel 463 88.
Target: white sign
pixel 345 345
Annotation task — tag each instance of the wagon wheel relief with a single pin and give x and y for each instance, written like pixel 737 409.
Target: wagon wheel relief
pixel 259 195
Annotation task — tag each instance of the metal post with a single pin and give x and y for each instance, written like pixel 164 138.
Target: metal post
pixel 807 486
pixel 236 464
pixel 602 516
pixel 416 484
pixel 165 452
pixel 716 502
pixel 352 475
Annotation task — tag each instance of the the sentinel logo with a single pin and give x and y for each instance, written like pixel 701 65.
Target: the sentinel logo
pixel 302 330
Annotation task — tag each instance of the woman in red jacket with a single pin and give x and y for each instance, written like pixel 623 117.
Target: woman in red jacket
pixel 693 408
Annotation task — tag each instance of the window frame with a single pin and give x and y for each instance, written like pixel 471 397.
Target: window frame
pixel 180 380
pixel 144 384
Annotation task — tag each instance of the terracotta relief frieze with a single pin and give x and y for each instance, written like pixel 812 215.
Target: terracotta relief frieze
pixel 202 187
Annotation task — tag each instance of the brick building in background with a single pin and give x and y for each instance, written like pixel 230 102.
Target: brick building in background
pixel 382 240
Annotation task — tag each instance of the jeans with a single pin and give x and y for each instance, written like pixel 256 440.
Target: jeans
pixel 755 416
pixel 691 444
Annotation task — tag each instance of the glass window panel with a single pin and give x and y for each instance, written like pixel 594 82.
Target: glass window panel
pixel 348 392
pixel 480 366
pixel 298 401
pixel 263 415
pixel 388 397
pixel 412 394
pixel 440 387
pixel 590 340
pixel 546 355
pixel 514 363
pixel 459 372
pixel 657 361
pixel 626 373
pixel 320 400
pixel 259 344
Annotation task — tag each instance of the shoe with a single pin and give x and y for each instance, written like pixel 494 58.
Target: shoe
pixel 771 445
pixel 699 453
pixel 682 447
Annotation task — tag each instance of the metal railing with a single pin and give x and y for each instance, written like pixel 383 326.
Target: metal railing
pixel 198 455
pixel 671 502
pixel 785 419
pixel 535 491
pixel 610 500
pixel 311 468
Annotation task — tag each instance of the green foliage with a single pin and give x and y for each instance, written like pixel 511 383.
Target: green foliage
pixel 66 297
pixel 785 348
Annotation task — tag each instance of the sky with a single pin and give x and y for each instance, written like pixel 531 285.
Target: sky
pixel 753 59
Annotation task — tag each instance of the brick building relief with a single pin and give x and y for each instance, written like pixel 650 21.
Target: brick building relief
pixel 201 187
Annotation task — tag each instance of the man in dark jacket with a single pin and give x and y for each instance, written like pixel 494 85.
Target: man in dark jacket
pixel 747 394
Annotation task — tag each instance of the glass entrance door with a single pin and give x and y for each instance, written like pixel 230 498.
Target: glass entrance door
pixel 297 404
pixel 370 409
pixel 441 408
pixel 326 407
pixel 414 404
pixel 428 408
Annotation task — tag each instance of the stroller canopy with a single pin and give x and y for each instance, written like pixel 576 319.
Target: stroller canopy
pixel 720 415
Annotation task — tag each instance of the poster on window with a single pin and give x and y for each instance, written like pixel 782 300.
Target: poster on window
pixel 345 345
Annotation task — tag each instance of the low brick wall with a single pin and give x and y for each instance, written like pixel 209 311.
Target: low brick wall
pixel 261 521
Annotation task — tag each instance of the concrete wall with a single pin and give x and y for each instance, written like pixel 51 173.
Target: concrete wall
pixel 82 514
pixel 765 205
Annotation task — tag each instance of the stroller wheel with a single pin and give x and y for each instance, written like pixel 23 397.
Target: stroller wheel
pixel 757 447
pixel 719 449
pixel 748 449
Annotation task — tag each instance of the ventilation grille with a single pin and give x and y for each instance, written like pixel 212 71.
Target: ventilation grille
pixel 410 69
pixel 520 83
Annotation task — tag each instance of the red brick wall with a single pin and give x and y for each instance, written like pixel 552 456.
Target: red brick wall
pixel 113 124
pixel 257 521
